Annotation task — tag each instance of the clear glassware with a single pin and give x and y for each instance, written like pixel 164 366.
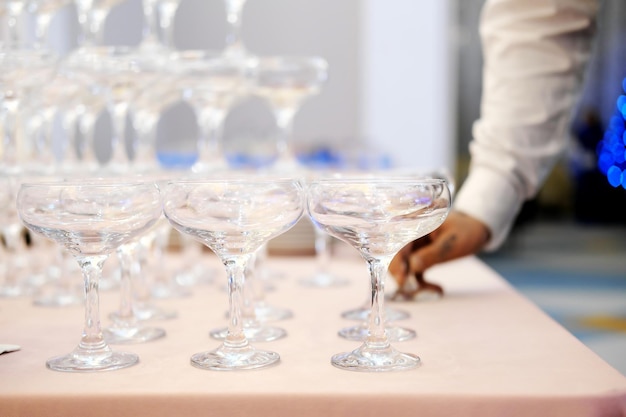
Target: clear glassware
pixel 92 15
pixel 377 216
pixel 322 276
pixel 62 288
pixel 127 327
pixel 234 217
pixel 164 284
pixel 44 12
pixel 234 41
pixel 13 9
pixel 117 74
pixel 143 306
pixel 12 284
pixel 254 312
pixel 91 218
pixel 24 68
pixel 285 82
pixel 158 28
pixel 211 84
pixel 167 12
pixel 262 275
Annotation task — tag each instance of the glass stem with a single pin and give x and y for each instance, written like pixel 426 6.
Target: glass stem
pixel 284 121
pixel 167 13
pixel 92 340
pixel 15 246
pixel 254 294
pixel 144 147
pixel 141 285
pixel 322 251
pixel 149 36
pixel 118 145
pixel 210 141
pixel 13 24
pixel 68 152
pixel 234 43
pixel 126 254
pixel 377 336
pixel 91 21
pixel 42 23
pixel 235 270
pixel 11 148
pixel 86 119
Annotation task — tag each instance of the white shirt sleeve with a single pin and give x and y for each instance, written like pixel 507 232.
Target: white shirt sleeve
pixel 535 52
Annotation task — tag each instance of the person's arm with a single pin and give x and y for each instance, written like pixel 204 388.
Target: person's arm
pixel 534 57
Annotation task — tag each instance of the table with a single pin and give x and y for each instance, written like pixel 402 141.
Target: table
pixel 486 351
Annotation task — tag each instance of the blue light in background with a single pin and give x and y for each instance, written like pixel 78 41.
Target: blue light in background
pixel 612 148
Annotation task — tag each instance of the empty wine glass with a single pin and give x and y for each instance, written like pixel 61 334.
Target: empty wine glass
pixel 285 82
pixel 23 68
pixel 91 218
pixel 417 286
pixel 377 216
pixel 211 84
pixel 234 217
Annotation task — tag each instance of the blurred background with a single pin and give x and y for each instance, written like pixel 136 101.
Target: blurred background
pixel 403 90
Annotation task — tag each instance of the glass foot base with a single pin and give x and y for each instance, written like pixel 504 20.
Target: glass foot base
pixel 58 299
pixel 253 333
pixel 365 359
pixel 148 312
pixel 363 314
pixel 92 363
pixel 224 359
pixel 130 335
pixel 170 290
pixel 269 313
pixel 324 281
pixel 14 291
pixel 361 332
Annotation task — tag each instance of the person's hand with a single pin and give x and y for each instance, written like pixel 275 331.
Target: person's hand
pixel 459 235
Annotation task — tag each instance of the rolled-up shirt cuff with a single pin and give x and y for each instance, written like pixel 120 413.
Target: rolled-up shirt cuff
pixel 490 197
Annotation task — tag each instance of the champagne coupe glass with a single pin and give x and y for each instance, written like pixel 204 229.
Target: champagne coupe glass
pixel 91 218
pixel 117 74
pixel 285 82
pixel 377 216
pixel 234 217
pixel 234 42
pixel 419 288
pixel 211 84
pixel 23 69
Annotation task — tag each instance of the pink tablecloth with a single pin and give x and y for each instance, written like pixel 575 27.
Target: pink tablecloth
pixel 486 351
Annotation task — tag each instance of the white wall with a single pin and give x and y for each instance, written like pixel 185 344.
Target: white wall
pixel 408 84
